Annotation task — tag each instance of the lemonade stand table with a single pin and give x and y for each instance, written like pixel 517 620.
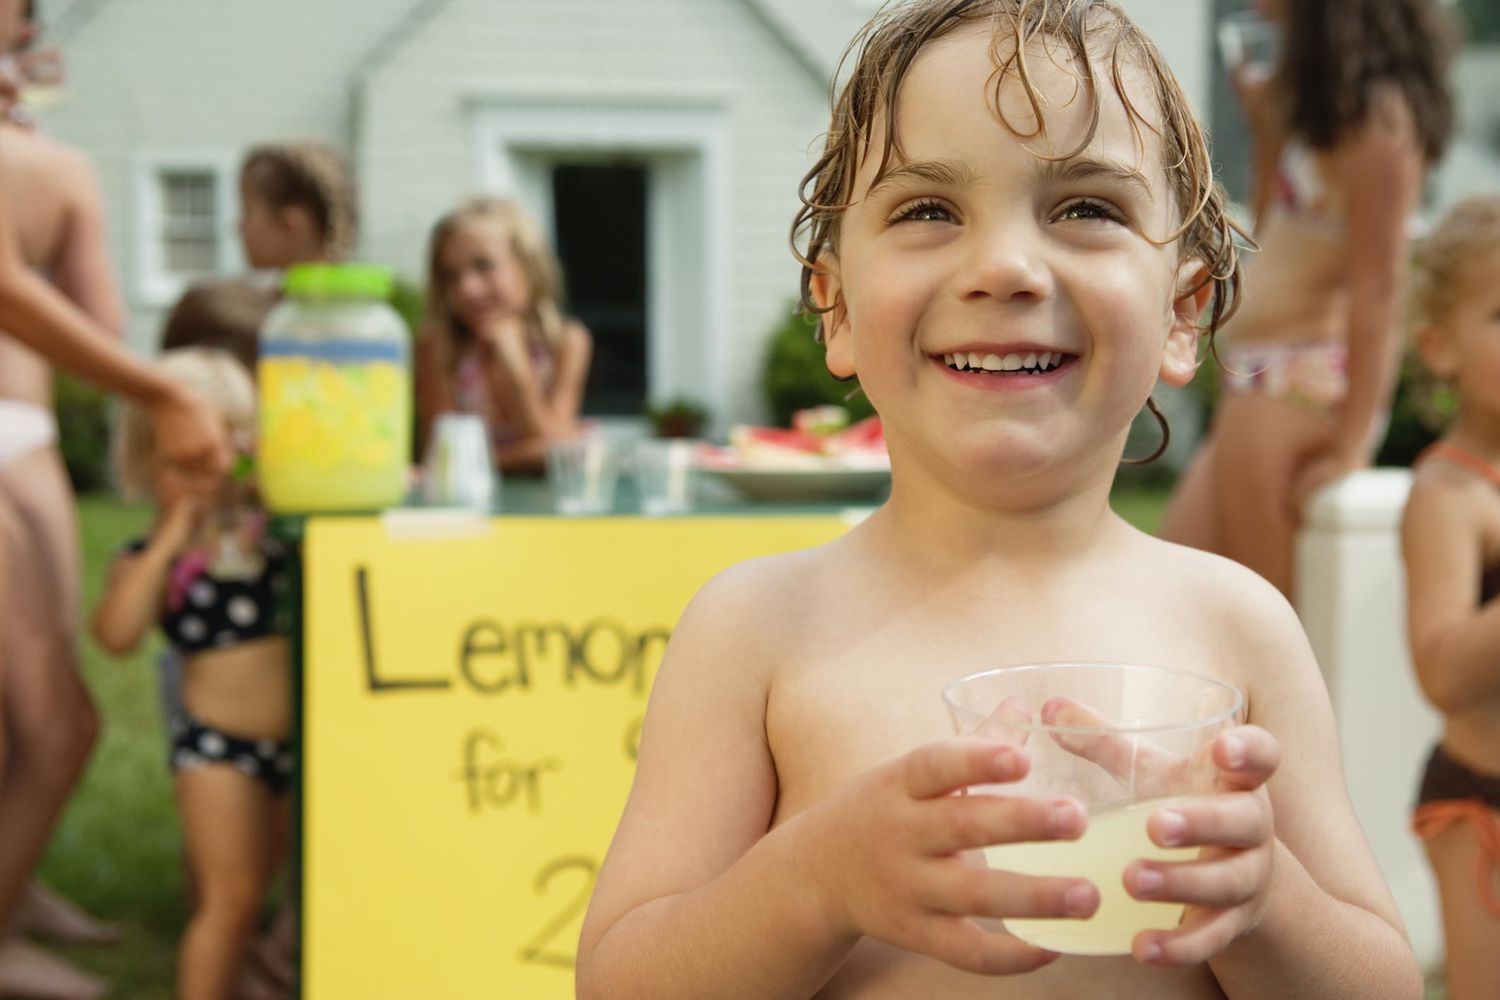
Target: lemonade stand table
pixel 471 692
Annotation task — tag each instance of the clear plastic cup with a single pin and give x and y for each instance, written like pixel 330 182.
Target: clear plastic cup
pixel 582 472
pixel 663 469
pixel 1124 741
pixel 457 470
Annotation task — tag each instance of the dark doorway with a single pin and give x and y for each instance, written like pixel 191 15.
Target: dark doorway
pixel 600 216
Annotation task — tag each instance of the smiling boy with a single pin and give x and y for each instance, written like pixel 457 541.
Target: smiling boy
pixel 1012 234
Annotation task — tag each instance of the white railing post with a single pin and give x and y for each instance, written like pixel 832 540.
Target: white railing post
pixel 1351 596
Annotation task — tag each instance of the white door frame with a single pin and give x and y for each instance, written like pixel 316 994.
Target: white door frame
pixel 684 148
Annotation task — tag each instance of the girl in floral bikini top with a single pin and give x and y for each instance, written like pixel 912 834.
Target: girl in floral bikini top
pixel 496 342
pixel 1451 544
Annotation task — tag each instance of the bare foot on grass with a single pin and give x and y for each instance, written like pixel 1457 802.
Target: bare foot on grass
pixel 30 972
pixel 45 913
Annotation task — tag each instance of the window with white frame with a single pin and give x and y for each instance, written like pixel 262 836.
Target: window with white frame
pixel 184 223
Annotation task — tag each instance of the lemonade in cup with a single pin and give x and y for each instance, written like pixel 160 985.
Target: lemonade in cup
pixel 1124 741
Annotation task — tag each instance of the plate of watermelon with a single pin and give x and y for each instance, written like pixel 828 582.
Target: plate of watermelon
pixel 820 457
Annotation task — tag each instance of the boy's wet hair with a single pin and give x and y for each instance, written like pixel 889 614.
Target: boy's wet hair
pixel 1100 39
pixel 524 236
pixel 312 176
pixel 214 375
pixel 1468 233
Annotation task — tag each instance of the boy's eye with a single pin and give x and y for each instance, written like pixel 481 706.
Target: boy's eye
pixel 924 211
pixel 1089 210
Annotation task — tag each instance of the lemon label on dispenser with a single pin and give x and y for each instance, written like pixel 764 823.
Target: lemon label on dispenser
pixel 335 424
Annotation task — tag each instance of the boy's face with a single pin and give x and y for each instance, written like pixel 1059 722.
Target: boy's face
pixel 976 247
pixel 1465 347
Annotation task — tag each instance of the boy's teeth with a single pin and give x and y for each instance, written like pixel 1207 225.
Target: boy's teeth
pixel 1032 362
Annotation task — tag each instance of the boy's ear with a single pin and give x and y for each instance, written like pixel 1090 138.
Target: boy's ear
pixel 828 296
pixel 1179 356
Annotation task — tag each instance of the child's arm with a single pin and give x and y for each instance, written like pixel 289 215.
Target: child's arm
pixel 1455 640
pixel 1301 910
pixel 701 897
pixel 133 590
pixel 1380 171
pixel 83 272
pixel 33 312
pixel 537 412
pixel 433 382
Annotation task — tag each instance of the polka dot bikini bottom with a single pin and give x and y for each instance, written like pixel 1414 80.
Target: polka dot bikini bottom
pixel 196 745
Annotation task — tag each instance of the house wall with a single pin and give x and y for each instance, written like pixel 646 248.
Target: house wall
pixel 185 76
pixel 417 116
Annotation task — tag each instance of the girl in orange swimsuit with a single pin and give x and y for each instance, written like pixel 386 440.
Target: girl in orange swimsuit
pixel 1451 544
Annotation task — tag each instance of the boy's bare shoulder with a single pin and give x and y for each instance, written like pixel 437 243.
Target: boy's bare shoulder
pixel 1219 592
pixel 785 585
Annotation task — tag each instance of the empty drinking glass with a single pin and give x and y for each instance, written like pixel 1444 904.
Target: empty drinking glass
pixel 458 471
pixel 664 474
pixel 582 472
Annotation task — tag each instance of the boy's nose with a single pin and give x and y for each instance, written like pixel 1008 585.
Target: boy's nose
pixel 1004 264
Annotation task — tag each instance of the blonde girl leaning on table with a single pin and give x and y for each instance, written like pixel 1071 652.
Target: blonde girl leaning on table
pixel 208 575
pixel 1345 129
pixel 1450 538
pixel 496 342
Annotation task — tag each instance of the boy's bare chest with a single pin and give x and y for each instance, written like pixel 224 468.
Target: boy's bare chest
pixel 847 706
pixel 876 971
pixel 852 706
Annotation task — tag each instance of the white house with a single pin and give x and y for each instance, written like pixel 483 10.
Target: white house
pixel 661 141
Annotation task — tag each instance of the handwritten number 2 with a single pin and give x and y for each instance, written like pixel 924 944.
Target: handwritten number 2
pixel 538 949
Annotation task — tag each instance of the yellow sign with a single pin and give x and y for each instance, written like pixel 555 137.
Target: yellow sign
pixel 471 707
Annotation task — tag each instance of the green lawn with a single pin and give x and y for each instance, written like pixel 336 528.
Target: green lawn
pixel 117 850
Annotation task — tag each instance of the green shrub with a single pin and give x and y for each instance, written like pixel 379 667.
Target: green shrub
pixel 83 430
pixel 795 376
pixel 1421 407
pixel 408 300
pixel 678 418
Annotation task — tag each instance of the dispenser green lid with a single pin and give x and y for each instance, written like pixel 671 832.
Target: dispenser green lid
pixel 339 281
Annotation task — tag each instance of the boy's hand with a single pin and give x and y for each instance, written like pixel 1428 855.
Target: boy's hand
pixel 1226 888
pixel 888 854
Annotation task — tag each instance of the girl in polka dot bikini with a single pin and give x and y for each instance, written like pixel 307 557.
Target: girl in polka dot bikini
pixel 208 574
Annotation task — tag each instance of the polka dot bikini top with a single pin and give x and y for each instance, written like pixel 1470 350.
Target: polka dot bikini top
pixel 204 611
